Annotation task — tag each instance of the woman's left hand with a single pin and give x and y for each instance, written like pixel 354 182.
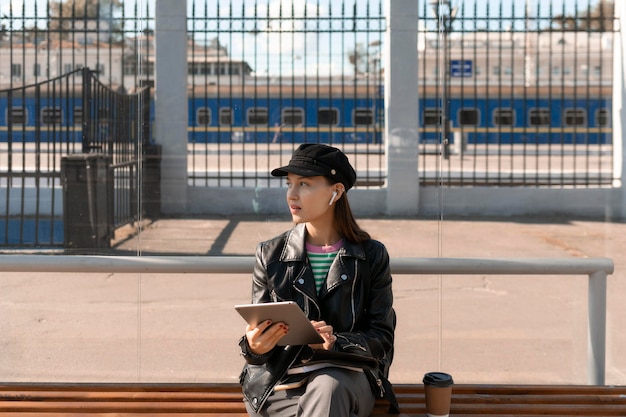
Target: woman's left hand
pixel 326 331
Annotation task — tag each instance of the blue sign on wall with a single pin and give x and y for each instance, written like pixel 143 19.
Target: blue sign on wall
pixel 460 68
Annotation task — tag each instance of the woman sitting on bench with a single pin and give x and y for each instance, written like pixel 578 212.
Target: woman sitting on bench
pixel 340 277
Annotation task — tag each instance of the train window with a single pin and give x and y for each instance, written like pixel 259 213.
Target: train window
pixel 574 117
pixel 363 117
pixel 503 117
pixel 17 115
pixel 602 117
pixel 78 115
pixel 468 117
pixel 257 116
pixel 203 116
pixel 539 117
pixel 292 117
pixel 432 117
pixel 51 116
pixel 226 116
pixel 327 116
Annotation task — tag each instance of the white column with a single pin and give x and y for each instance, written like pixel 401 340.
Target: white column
pixel 401 112
pixel 619 110
pixel 171 102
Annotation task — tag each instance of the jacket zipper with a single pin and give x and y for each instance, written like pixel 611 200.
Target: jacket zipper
pixel 379 382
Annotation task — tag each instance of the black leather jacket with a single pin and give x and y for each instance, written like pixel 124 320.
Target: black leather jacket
pixel 356 300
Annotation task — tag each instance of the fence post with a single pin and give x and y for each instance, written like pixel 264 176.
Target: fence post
pixel 86 131
pixel 401 98
pixel 171 101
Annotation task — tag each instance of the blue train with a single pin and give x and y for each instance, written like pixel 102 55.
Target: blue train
pixel 343 114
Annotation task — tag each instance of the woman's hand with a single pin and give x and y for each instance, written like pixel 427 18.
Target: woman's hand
pixel 265 336
pixel 326 331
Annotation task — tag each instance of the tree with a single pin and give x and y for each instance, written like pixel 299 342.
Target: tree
pixel 595 19
pixel 85 15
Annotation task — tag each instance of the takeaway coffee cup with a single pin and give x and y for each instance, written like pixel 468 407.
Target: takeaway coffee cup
pixel 438 392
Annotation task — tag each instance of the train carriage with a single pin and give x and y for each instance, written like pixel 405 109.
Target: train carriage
pixel 336 114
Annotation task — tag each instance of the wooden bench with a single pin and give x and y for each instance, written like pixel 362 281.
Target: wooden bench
pixel 178 400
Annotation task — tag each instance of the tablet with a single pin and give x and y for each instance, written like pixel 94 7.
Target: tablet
pixel 301 331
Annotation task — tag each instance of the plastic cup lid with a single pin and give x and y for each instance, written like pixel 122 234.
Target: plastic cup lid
pixel 438 379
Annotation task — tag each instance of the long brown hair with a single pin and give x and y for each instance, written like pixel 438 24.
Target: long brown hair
pixel 346 224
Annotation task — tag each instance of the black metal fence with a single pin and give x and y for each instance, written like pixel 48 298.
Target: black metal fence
pixel 44 123
pixel 511 93
pixel 118 125
pixel 271 76
pixel 518 93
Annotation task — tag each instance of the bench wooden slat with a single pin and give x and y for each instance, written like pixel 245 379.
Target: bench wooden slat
pixel 174 400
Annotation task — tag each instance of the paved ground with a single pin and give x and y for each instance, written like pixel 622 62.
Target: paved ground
pixel 182 328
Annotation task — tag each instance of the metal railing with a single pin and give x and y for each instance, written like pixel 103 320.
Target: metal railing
pixel 40 124
pixel 512 96
pixel 596 269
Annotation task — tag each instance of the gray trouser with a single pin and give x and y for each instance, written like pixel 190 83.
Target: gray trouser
pixel 329 392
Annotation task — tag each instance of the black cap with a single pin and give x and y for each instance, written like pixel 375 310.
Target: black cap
pixel 311 159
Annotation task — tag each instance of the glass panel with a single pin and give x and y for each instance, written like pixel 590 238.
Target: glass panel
pixel 95 160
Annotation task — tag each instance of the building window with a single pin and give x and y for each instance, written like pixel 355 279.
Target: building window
pixel 293 117
pixel 37 70
pixel 597 71
pixel 363 117
pixel 16 70
pixel 67 68
pixel 327 117
pixel 503 117
pixel 432 117
pixel 257 116
pixel 574 117
pixel 226 116
pixel 539 117
pixel 203 116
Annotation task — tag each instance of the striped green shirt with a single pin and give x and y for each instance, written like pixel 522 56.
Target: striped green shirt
pixel 321 258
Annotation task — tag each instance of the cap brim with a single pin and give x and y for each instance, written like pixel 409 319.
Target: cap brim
pixel 284 171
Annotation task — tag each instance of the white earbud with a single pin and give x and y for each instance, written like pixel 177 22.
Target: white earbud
pixel 333 198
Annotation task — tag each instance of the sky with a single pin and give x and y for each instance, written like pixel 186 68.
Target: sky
pixel 543 6
pixel 306 51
